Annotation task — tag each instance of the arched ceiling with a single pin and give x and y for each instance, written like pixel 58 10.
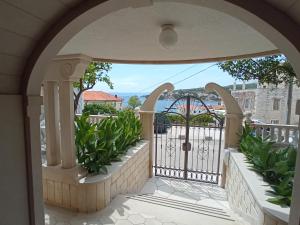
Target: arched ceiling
pixel 23 22
pixel 131 35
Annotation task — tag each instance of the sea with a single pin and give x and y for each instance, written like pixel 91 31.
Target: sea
pixel 161 105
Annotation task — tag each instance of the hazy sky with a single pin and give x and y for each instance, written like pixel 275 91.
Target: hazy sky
pixel 145 78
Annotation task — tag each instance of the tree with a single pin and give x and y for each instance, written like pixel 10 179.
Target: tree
pixel 273 69
pixel 96 109
pixel 95 72
pixel 134 102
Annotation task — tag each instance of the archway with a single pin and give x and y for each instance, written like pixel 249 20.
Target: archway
pixel 273 24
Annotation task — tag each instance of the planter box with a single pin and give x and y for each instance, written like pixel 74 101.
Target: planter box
pixel 247 193
pixel 74 189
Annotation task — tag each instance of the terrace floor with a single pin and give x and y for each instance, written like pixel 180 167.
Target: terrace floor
pixel 162 201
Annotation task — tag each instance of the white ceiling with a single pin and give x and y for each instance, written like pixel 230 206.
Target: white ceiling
pixel 131 34
pixel 23 22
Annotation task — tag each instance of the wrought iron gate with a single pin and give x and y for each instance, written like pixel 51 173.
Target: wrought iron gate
pixel 188 141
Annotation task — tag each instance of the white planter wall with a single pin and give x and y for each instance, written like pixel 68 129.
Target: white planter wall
pixel 247 194
pixel 71 189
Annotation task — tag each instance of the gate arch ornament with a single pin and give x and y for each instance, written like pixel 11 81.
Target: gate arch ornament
pixel 147 118
pixel 234 115
pixel 233 119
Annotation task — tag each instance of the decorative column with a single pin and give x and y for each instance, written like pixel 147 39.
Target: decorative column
pixel 33 113
pixel 71 69
pixel 233 123
pixel 51 109
pixel 66 106
pixel 233 127
pixel 295 206
pixel 147 119
pixel 66 69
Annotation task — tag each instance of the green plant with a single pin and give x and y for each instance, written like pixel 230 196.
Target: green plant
pixel 96 109
pixel 90 153
pixel 198 120
pixel 97 145
pixel 276 165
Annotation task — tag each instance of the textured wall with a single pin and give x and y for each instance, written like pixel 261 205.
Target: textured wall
pixel 242 200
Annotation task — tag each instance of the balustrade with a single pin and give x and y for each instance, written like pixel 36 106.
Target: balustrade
pixel 279 133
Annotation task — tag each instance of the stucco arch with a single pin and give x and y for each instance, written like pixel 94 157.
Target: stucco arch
pixel 270 22
pixel 275 25
pixel 232 107
pixel 147 118
pixel 234 116
pixel 150 102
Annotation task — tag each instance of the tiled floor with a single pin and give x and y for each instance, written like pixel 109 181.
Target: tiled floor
pixel 162 201
pixel 187 191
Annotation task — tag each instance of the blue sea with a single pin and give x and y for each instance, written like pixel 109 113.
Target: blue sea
pixel 161 105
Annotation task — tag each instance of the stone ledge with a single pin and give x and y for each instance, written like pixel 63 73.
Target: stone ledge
pixel 258 188
pixel 70 176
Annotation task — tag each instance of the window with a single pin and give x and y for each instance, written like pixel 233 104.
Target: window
pixel 274 121
pixel 276 103
pixel 247 103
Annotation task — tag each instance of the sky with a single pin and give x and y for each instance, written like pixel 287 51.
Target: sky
pixel 134 78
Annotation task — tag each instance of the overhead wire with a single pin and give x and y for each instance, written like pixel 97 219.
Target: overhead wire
pixel 194 74
pixel 170 77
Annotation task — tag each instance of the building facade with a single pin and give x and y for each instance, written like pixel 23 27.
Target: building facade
pixel 268 103
pixel 100 97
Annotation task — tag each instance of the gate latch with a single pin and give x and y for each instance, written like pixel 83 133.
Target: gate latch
pixel 186 146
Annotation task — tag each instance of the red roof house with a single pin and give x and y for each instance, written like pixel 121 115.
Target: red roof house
pixel 100 97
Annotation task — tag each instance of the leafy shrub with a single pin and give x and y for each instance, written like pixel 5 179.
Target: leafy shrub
pixel 96 109
pixel 97 145
pixel 198 120
pixel 276 165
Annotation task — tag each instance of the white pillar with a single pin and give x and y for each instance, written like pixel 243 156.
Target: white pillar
pixel 51 109
pixel 244 85
pixel 233 129
pixel 33 112
pixel 147 119
pixel 295 207
pixel 66 106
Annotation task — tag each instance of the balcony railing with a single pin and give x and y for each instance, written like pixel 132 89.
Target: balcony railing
pixel 279 133
pixel 97 118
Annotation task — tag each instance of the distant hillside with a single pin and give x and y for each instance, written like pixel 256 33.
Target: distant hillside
pixel 200 92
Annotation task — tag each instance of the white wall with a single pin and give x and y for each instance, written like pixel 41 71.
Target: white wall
pixel 13 188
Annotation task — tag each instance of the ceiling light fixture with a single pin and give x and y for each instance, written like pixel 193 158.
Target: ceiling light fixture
pixel 168 36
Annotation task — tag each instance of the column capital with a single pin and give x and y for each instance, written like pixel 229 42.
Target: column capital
pixel 67 68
